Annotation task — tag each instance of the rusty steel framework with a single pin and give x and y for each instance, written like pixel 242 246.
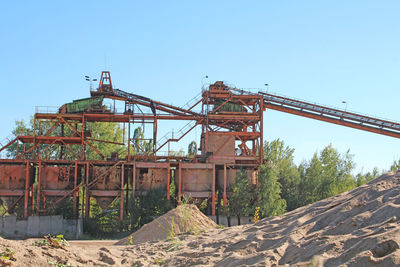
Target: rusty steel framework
pixel 38 179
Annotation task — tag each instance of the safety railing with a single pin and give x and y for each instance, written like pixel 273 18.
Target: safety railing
pixel 278 95
pixel 175 136
pixel 46 109
pixel 328 111
pixel 192 101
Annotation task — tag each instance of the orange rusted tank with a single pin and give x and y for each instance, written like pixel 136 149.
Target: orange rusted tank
pixel 150 178
pixel 197 178
pixel 13 181
pixel 56 181
pixel 150 175
pixel 110 182
pixel 58 177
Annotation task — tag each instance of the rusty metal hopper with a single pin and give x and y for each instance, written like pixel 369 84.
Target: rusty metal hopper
pixel 110 183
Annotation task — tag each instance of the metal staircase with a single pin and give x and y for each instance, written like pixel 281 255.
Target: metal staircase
pixel 170 137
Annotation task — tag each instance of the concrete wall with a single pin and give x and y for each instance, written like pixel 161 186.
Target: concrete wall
pixel 231 220
pixel 38 226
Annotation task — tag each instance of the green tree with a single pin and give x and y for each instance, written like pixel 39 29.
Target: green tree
pixel 310 180
pixel 395 166
pixel 326 175
pixel 337 171
pixel 268 194
pixel 148 148
pixel 281 157
pixel 139 144
pixel 138 141
pixel 242 197
pixel 106 131
pixel 367 177
pixel 22 128
pixel 192 149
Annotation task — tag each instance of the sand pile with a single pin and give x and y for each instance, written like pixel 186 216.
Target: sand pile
pixel 183 219
pixel 26 253
pixel 357 228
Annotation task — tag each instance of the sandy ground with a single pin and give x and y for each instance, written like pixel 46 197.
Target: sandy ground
pixel 356 228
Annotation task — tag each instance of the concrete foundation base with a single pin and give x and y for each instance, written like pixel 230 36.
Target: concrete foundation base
pixel 38 226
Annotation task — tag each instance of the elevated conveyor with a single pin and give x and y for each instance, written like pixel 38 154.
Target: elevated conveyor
pixel 106 89
pixel 332 115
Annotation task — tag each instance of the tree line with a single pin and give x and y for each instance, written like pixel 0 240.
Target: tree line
pixel 284 186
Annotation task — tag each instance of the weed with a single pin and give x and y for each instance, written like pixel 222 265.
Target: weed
pixel 57 241
pixel 175 241
pixel 7 257
pixel 159 261
pixel 203 204
pixel 130 240
pixel 175 245
pixel 4 261
pixel 9 253
pixel 186 216
pixel 316 261
pixel 60 264
pixel 40 243
pixel 192 228
pixel 186 200
pixel 172 233
pixel 185 212
pixel 257 215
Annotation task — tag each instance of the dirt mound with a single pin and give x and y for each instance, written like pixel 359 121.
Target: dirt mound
pixel 357 228
pixel 183 219
pixel 30 253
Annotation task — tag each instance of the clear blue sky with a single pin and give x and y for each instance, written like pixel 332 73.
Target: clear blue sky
pixel 321 51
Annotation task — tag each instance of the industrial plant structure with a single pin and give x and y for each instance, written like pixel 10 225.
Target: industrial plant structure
pixel 231 122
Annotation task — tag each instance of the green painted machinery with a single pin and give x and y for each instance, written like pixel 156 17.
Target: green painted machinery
pixel 91 104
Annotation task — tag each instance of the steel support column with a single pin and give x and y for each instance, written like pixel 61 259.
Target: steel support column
pixel 38 188
pixel 179 182
pixel 261 148
pixel 225 199
pixel 129 137
pixel 75 211
pixel 213 192
pixel 121 205
pixel 168 180
pixel 87 193
pixel 26 196
pixel 134 180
